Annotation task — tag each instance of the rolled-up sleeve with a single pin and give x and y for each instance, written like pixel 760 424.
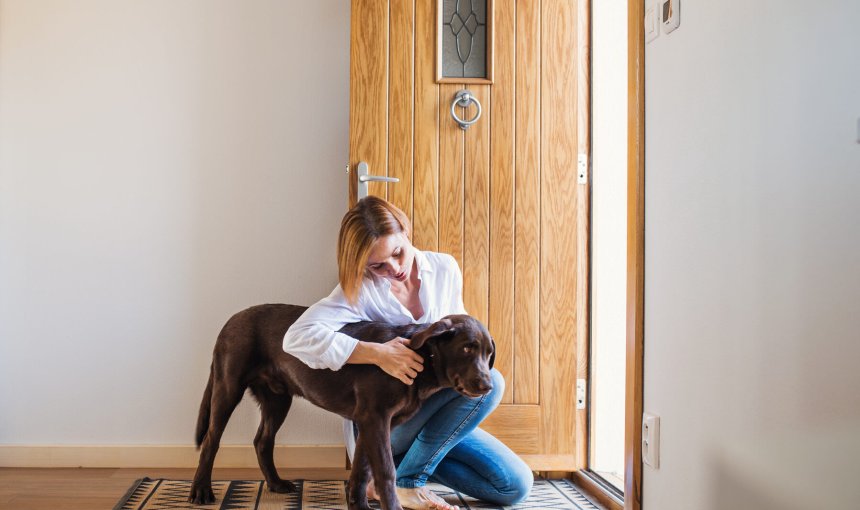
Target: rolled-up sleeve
pixel 314 337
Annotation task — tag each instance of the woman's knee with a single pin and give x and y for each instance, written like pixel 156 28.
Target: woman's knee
pixel 517 487
pixel 494 397
pixel 489 402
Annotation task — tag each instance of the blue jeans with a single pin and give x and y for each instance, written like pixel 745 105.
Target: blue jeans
pixel 442 444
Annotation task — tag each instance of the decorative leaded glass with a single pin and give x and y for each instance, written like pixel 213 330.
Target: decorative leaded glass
pixel 464 39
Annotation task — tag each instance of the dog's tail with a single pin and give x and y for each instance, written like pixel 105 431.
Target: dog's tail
pixel 205 408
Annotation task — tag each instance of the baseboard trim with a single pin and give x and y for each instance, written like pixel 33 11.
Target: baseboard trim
pixel 165 456
pixel 539 462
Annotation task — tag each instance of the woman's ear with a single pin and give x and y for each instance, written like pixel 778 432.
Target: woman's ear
pixel 437 328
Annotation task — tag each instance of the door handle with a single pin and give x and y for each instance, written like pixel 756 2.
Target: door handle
pixel 364 177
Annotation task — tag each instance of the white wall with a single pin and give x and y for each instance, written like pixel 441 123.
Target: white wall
pixel 752 279
pixel 162 165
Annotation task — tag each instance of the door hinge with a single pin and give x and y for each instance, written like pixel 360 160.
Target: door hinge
pixel 582 168
pixel 581 386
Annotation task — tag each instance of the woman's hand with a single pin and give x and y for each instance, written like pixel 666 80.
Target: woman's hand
pixel 398 360
pixel 394 357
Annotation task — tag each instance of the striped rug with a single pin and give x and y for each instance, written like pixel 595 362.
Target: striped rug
pixel 162 494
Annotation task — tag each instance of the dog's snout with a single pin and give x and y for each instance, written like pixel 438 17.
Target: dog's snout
pixel 482 384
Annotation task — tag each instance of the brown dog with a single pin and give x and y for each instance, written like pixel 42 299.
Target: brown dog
pixel 458 353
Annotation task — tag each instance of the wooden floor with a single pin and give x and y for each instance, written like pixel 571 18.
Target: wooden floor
pixel 94 489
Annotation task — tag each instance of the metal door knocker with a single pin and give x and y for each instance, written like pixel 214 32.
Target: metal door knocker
pixel 463 99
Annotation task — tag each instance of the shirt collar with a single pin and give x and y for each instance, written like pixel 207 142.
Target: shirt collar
pixel 421 260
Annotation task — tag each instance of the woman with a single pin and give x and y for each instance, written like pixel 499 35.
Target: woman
pixel 384 278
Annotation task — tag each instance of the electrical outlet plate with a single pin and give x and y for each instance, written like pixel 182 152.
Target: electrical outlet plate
pixel 670 14
pixel 651 440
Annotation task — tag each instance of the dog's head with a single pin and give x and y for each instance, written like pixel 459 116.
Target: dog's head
pixel 462 353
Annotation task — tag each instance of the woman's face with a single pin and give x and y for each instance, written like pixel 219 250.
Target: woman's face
pixel 391 257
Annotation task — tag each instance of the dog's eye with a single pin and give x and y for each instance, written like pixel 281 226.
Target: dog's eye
pixel 469 348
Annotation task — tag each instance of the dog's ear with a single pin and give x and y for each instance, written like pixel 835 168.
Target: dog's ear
pixel 493 356
pixel 437 328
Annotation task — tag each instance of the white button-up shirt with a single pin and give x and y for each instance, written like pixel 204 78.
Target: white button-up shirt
pixel 314 337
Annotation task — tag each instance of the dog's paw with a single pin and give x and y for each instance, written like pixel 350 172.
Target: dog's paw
pixel 355 501
pixel 201 494
pixel 282 486
pixel 353 505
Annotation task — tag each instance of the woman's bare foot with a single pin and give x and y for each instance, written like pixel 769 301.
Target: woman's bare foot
pixel 422 498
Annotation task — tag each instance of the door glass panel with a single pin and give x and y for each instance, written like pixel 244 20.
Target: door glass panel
pixel 464 38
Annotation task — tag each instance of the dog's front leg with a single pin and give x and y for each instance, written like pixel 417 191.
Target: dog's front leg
pixel 375 435
pixel 356 491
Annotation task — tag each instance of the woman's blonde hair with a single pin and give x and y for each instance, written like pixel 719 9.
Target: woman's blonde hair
pixel 371 218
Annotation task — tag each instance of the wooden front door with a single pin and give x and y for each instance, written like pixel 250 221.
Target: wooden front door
pixel 502 197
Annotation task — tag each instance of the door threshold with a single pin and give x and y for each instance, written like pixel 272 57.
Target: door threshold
pixel 598 490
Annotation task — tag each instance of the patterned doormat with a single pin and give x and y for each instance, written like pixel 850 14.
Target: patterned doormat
pixel 161 494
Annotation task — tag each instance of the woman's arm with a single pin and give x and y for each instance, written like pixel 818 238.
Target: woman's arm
pixel 314 339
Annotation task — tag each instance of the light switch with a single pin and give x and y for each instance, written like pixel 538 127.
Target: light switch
pixel 652 23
